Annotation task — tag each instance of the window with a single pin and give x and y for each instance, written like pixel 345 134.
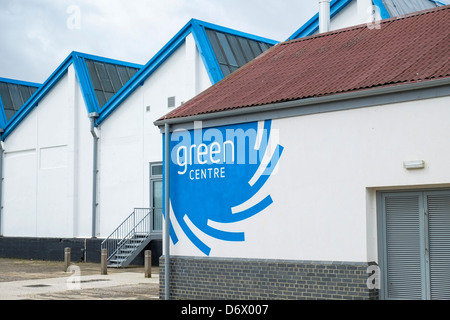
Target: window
pixel 171 102
pixel 156 195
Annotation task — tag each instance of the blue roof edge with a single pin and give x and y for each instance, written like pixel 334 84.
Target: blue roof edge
pixel 107 60
pixel 312 25
pixel 3 121
pixel 36 97
pixel 21 82
pixel 383 11
pixel 234 32
pixel 206 51
pixel 78 60
pixel 194 26
pixel 197 28
pixel 141 76
pixel 87 89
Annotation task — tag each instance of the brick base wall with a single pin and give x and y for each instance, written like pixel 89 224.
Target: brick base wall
pixel 250 279
pixel 88 250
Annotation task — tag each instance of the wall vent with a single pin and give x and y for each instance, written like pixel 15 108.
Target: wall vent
pixel 171 102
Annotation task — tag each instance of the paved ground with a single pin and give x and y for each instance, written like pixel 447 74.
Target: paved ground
pixel 47 280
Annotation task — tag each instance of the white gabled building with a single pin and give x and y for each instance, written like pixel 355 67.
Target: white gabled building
pixel 77 155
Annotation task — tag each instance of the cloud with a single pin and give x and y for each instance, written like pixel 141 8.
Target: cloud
pixel 41 34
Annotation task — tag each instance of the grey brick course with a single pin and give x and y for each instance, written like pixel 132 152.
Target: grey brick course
pixel 237 279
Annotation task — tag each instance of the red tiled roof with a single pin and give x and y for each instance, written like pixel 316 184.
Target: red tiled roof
pixel 403 51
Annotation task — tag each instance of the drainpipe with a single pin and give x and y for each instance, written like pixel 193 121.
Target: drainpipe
pixel 167 212
pixel 324 16
pixel 1 181
pixel 93 117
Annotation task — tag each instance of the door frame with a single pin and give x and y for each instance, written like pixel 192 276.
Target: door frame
pixel 153 178
pixel 424 236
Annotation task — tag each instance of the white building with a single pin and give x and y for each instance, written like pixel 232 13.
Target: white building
pixel 77 155
pixel 346 13
pixel 319 171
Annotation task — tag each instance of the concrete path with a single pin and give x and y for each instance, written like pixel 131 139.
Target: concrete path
pixel 122 285
pixel 39 280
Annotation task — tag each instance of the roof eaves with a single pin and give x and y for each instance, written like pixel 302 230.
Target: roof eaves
pixel 301 102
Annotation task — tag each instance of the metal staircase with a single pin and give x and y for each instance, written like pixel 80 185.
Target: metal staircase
pixel 131 236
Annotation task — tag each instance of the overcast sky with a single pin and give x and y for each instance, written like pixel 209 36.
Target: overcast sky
pixel 37 35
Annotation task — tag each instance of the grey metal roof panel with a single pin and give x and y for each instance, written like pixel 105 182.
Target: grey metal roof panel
pixel 233 51
pixel 108 78
pixel 401 7
pixel 14 96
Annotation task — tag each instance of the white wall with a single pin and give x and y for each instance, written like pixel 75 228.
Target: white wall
pixel 47 190
pixel 355 13
pixel 129 140
pixel 43 166
pixel 324 205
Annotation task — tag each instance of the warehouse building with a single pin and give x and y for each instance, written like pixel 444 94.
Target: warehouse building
pixel 81 156
pixel 317 171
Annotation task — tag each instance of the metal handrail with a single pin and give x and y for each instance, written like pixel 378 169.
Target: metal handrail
pixel 125 230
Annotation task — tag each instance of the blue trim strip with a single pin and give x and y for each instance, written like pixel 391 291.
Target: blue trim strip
pixel 310 27
pixel 439 3
pixel 2 115
pixel 203 45
pixel 207 53
pixel 197 27
pixel 78 60
pixel 3 120
pixel 140 77
pixel 107 60
pixel 234 32
pixel 383 11
pixel 36 97
pixel 85 83
pixel 20 82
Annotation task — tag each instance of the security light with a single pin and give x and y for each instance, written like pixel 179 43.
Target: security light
pixel 414 164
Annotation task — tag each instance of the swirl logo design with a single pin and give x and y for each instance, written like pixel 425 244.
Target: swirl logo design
pixel 215 176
